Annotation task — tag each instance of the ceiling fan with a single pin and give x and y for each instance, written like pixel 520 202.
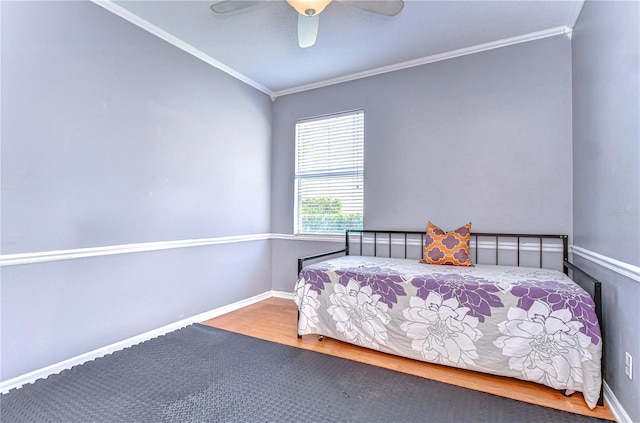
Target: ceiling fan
pixel 309 11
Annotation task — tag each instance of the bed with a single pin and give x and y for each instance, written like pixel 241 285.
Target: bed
pixel 513 312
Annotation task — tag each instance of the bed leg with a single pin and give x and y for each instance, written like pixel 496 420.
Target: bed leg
pixel 601 398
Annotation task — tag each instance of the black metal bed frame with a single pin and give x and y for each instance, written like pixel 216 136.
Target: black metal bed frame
pixel 594 286
pixel 390 239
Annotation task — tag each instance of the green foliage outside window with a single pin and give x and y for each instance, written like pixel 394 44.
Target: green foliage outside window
pixel 323 215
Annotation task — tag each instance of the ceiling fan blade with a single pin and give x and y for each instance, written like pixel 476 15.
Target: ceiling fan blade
pixel 381 7
pixel 307 30
pixel 227 6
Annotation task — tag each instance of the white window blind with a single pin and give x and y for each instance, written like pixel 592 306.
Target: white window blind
pixel 329 174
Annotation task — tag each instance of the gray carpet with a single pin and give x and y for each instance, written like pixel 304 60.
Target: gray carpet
pixel 203 374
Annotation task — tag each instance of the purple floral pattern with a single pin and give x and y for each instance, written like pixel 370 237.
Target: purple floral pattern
pixel 385 282
pixel 317 277
pixel 475 293
pixel 561 296
pixel 501 320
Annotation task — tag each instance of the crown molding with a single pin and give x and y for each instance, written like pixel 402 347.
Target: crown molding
pixel 171 39
pixel 552 32
pixel 164 35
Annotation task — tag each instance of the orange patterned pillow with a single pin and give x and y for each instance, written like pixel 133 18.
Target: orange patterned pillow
pixel 450 248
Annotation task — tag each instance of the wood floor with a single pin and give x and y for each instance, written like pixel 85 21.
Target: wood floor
pixel 274 319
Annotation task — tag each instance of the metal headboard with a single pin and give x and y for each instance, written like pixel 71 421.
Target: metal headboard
pixel 406 239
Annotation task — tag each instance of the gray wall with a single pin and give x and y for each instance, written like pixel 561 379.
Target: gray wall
pixel 606 154
pixel 112 136
pixel 58 310
pixel 484 138
pixel 285 254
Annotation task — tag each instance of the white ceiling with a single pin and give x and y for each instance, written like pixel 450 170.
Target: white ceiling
pixel 259 44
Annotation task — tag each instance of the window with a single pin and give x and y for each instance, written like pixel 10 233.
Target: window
pixel 329 174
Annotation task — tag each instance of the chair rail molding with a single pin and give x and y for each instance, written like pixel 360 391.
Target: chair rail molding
pixel 625 269
pixel 45 256
pixel 78 253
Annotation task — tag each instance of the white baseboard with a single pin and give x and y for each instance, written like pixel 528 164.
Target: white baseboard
pixel 618 412
pixel 282 294
pixel 17 382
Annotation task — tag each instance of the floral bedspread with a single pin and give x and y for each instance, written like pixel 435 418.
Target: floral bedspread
pixel 531 324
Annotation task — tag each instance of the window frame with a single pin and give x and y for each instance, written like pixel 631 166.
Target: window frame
pixel 357 171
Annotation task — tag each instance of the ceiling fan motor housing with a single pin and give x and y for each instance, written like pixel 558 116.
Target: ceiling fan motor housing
pixel 309 7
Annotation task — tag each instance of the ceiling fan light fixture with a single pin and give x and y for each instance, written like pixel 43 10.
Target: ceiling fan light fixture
pixel 309 7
